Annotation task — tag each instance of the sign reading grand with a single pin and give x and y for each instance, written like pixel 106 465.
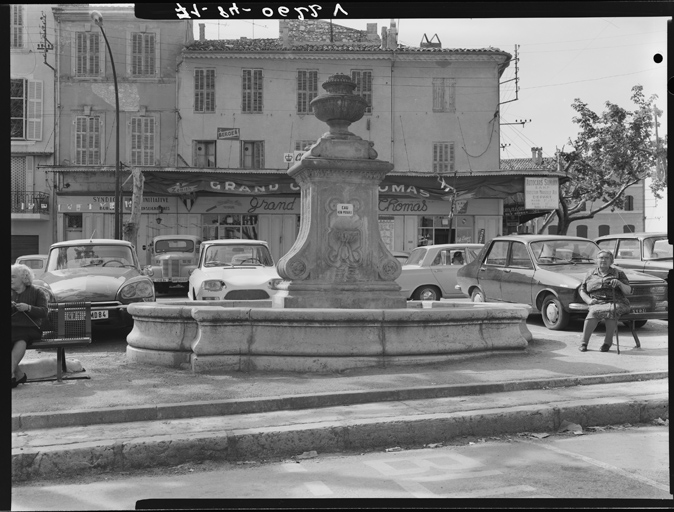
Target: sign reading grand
pixel 541 193
pixel 228 133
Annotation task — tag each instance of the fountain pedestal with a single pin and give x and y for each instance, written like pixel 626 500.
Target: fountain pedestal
pixel 339 259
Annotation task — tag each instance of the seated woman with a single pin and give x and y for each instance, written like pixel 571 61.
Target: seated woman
pixel 29 307
pixel 457 259
pixel 604 290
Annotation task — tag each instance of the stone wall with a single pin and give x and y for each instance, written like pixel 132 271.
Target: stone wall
pixel 313 31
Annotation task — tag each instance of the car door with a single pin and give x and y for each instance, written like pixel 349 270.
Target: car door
pixel 518 275
pixel 445 271
pixel 491 271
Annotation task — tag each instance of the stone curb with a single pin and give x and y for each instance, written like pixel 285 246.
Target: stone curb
pixel 29 421
pixel 327 437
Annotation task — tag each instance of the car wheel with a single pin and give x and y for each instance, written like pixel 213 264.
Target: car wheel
pixel 555 317
pixel 477 296
pixel 427 293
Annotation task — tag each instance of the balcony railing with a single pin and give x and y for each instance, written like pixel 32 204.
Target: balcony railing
pixel 29 202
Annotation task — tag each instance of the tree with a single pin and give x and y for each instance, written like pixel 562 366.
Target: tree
pixel 612 152
pixel 130 228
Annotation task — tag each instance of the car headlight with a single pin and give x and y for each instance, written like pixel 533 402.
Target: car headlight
pixel 213 285
pixel 658 290
pixel 273 283
pixel 138 290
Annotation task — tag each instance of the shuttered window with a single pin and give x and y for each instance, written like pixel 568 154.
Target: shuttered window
pixel 251 89
pixel 143 54
pixel 87 54
pixel 204 90
pixel 16 26
pixel 307 89
pixel 252 154
pixel 26 109
pixel 87 140
pixel 143 140
pixel 363 79
pixel 443 157
pixel 444 93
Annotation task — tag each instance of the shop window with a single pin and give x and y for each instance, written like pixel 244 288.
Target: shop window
pixel 433 230
pixel 229 225
pixel 604 230
pixel 363 79
pixel 204 153
pixel 252 154
pixel 251 91
pixel 307 89
pixel 581 230
pixel 628 228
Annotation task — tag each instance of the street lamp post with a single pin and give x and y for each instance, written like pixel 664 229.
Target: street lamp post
pixel 97 18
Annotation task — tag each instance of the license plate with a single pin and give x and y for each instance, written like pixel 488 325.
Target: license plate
pixel 99 315
pixel 72 316
pixel 638 310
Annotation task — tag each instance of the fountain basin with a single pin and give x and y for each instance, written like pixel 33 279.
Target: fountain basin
pixel 239 336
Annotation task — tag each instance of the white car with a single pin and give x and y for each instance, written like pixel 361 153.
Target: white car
pixel 234 269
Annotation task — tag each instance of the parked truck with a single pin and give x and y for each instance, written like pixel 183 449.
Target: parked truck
pixel 173 258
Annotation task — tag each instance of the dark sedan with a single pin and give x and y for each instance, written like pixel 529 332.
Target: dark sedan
pixel 545 272
pixel 103 272
pixel 650 253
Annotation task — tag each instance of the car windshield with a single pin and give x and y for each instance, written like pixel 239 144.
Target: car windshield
pixel 416 256
pixel 162 246
pixel 657 248
pixel 230 255
pixel 90 255
pixel 563 252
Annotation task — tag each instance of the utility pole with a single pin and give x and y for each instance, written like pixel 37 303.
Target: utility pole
pixel 516 79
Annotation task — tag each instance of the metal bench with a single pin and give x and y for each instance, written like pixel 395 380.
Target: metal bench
pixel 67 325
pixel 631 318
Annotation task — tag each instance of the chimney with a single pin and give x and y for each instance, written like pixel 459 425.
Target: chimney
pixel 392 42
pixel 384 38
pixel 284 31
pixel 371 31
pixel 202 31
pixel 534 155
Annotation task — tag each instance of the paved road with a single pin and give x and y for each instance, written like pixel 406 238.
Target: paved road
pixel 512 467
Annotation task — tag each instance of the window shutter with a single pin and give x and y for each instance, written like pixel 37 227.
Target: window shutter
pixel 198 104
pixel 451 157
pixel 34 114
pixel 438 94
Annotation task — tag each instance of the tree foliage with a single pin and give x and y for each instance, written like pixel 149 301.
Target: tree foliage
pixel 613 151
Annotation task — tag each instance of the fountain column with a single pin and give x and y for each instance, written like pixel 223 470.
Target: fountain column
pixel 339 259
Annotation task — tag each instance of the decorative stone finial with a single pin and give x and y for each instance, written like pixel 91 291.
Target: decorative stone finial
pixel 339 107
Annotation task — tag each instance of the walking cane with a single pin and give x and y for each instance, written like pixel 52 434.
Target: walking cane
pixel 615 317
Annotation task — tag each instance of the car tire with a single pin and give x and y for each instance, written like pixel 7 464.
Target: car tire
pixel 477 296
pixel 554 316
pixel 427 293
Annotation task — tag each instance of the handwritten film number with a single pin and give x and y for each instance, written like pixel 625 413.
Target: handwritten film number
pixel 268 12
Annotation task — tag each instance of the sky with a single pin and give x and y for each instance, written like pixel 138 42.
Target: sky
pixel 595 59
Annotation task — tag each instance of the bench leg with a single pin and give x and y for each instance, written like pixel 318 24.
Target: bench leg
pixel 634 333
pixel 60 363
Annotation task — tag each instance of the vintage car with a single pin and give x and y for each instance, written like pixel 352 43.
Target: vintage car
pixel 36 262
pixel 173 258
pixel 401 256
pixel 650 253
pixel 545 272
pixel 104 272
pixel 430 270
pixel 233 269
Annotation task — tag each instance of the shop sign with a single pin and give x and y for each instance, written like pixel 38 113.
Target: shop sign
pixel 228 134
pixel 107 204
pixel 344 210
pixel 541 193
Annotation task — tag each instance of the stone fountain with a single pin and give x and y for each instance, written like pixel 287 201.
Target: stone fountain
pixel 339 306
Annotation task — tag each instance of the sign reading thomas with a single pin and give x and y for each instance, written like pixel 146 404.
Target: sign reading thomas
pixel 541 193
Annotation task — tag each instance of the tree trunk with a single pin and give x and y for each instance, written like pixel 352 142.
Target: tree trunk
pixel 131 227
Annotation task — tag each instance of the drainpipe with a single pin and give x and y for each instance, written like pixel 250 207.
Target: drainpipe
pixel 57 144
